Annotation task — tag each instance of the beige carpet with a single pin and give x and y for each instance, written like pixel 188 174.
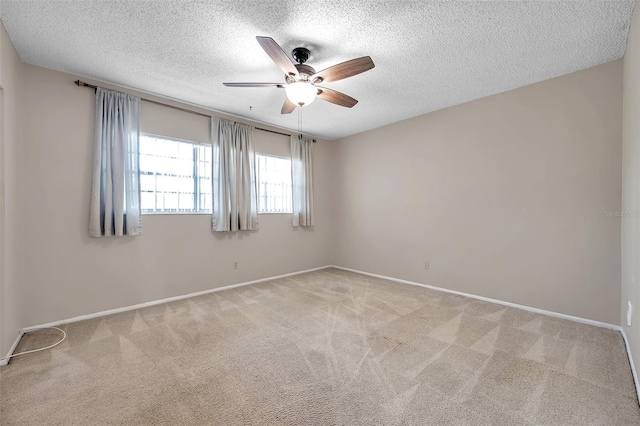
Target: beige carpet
pixel 328 347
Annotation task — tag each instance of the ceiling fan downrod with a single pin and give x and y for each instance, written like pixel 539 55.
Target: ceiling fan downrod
pixel 300 54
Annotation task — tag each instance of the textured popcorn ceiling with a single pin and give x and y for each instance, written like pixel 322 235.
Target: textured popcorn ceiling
pixel 428 55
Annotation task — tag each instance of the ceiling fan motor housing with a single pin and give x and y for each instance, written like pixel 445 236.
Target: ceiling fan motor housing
pixel 304 73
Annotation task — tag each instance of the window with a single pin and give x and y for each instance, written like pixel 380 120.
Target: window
pixel 175 176
pixel 274 184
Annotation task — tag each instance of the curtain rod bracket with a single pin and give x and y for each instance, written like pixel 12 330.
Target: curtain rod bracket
pixel 83 84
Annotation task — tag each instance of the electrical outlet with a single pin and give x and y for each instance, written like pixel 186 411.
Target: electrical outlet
pixel 235 265
pixel 629 314
pixel 426 264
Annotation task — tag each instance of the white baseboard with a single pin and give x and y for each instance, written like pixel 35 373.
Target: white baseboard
pixel 5 361
pixel 168 299
pixel 523 307
pixel 487 299
pixel 631 363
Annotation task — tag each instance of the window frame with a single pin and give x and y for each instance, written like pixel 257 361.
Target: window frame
pixel 282 157
pixel 196 178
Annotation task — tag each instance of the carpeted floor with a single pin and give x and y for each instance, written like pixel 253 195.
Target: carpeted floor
pixel 328 347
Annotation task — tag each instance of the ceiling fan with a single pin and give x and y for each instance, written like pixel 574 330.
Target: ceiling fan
pixel 301 80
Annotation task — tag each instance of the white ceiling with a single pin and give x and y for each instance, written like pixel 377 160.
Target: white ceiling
pixel 429 55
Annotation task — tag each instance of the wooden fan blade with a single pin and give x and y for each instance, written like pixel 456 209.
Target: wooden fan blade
pixel 254 85
pixel 335 97
pixel 287 107
pixel 343 70
pixel 278 56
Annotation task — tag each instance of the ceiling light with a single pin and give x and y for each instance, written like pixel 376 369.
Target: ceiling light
pixel 301 92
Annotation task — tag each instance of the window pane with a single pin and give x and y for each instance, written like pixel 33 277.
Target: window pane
pixel 171 201
pixel 170 175
pixel 274 184
pixel 147 201
pixel 147 183
pixel 204 173
pixel 186 202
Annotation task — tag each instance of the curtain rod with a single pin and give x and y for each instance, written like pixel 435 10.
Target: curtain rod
pixel 94 87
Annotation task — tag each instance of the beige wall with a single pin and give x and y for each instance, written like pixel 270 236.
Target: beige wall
pixel 160 120
pixel 631 186
pixel 11 308
pixel 69 274
pixel 504 196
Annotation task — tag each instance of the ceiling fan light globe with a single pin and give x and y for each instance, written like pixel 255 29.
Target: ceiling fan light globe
pixel 301 92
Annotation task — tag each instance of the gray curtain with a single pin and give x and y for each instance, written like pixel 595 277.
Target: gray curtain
pixel 302 180
pixel 115 194
pixel 235 201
